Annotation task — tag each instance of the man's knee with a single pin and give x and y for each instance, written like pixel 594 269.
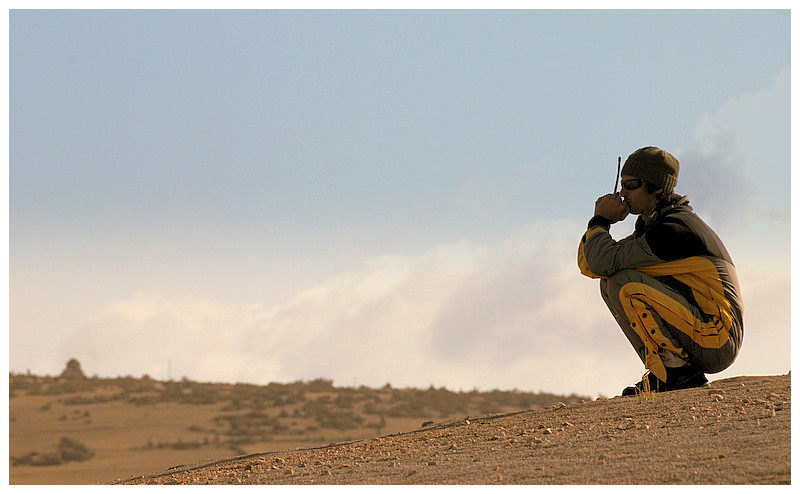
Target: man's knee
pixel 713 360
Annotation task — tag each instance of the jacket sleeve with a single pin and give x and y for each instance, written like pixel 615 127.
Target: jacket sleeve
pixel 600 256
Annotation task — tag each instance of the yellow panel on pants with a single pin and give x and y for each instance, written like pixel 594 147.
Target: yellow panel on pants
pixel 636 297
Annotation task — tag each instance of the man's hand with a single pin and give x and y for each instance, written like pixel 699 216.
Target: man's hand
pixel 611 207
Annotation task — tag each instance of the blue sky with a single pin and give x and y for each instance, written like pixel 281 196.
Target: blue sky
pixel 375 196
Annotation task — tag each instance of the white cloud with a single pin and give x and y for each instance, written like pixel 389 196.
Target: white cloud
pixel 144 333
pixel 461 315
pixel 737 168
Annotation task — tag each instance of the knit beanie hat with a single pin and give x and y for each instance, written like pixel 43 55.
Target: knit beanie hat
pixel 653 165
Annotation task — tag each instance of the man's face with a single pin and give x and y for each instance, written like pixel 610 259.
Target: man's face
pixel 637 199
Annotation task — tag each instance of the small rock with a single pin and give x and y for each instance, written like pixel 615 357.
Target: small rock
pixel 547 431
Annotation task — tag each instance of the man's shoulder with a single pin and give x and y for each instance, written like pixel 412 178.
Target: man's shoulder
pixel 678 211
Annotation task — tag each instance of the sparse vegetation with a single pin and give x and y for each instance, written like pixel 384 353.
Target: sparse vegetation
pixel 73 370
pixel 251 413
pixel 67 449
pixel 140 424
pixel 300 413
pixel 176 445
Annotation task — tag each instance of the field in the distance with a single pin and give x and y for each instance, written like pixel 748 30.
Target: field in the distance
pixel 74 429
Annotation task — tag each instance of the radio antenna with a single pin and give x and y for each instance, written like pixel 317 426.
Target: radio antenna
pixel 619 163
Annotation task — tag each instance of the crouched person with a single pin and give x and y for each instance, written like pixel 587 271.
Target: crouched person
pixel 671 285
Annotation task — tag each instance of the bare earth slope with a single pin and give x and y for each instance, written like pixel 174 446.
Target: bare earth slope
pixel 736 431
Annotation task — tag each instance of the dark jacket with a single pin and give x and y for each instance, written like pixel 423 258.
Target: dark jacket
pixel 676 247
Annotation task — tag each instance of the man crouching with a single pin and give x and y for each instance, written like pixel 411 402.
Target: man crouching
pixel 671 286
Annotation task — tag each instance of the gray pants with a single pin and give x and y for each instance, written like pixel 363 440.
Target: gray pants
pixel 665 329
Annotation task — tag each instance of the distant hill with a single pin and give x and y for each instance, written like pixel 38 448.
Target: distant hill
pixel 77 429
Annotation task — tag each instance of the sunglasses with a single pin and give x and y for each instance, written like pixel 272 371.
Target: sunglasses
pixel 632 184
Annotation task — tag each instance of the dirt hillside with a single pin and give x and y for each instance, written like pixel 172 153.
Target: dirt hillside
pixel 735 431
pixel 89 430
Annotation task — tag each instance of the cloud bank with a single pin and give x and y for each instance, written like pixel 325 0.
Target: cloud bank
pixel 737 166
pixel 462 315
pixel 512 315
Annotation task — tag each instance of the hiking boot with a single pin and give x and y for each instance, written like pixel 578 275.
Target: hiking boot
pixel 648 384
pixel 684 377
